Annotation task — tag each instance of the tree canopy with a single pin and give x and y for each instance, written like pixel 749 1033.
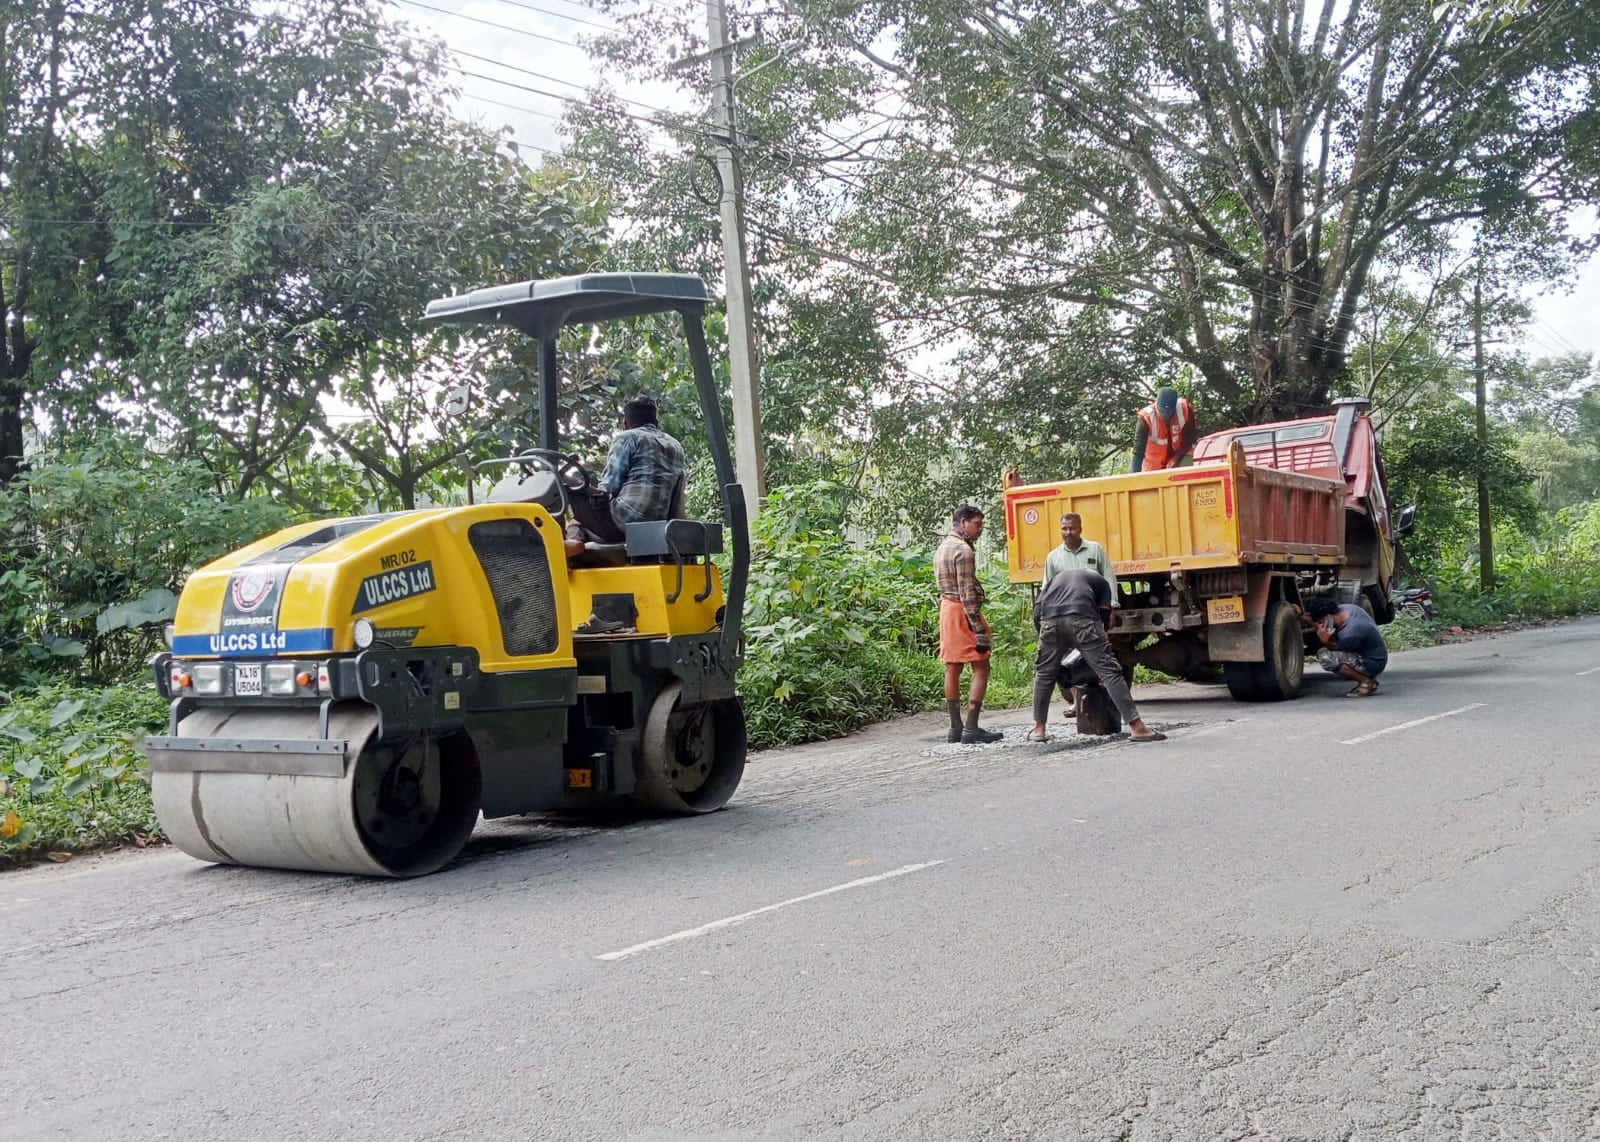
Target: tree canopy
pixel 1082 200
pixel 212 219
pixel 982 234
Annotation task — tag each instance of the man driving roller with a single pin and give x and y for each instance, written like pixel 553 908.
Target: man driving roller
pixel 643 480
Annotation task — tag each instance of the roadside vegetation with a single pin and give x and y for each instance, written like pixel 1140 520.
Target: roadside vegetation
pixel 71 777
pixel 212 279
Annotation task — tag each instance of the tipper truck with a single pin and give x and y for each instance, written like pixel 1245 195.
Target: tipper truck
pixel 1213 560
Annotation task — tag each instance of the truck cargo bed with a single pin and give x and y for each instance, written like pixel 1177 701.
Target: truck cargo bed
pixel 1182 519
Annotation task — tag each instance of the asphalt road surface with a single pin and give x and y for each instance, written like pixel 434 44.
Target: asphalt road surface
pixel 1325 919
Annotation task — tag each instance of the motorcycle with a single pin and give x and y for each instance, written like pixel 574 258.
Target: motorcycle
pixel 1415 601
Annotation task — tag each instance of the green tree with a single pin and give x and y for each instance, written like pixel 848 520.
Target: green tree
pixel 95 542
pixel 1221 184
pixel 217 218
pixel 1434 461
pixel 1553 404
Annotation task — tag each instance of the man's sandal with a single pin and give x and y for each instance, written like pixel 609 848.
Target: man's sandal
pixel 1363 690
pixel 1035 736
pixel 1152 736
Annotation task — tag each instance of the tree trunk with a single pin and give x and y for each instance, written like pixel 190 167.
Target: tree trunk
pixel 13 403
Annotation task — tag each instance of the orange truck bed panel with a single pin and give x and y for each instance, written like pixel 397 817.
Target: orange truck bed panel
pixel 1182 519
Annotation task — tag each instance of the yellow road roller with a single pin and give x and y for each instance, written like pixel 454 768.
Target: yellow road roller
pixel 348 695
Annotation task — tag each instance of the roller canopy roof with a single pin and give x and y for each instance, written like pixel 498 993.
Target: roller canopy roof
pixel 541 307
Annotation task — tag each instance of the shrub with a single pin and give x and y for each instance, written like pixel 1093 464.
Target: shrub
pixel 71 777
pixel 1544 574
pixel 106 531
pixel 1408 632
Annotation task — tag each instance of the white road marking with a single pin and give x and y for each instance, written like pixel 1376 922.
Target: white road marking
pixel 1591 670
pixel 730 921
pixel 1410 724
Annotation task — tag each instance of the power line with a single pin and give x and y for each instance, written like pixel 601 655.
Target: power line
pixel 571 100
pixel 488 23
pixel 542 114
pixel 545 76
pixel 568 99
pixel 558 15
pixel 370 221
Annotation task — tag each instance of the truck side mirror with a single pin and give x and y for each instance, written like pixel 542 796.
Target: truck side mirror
pixel 1406 520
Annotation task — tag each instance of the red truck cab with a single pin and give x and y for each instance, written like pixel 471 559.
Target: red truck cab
pixel 1343 447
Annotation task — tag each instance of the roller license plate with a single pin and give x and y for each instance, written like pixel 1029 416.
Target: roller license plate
pixel 247 679
pixel 1225 610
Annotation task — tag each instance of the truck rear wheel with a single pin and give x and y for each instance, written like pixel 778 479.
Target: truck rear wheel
pixel 692 756
pixel 1279 676
pixel 1241 680
pixel 1284 651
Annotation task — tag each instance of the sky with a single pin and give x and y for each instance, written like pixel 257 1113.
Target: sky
pixel 1565 320
pixel 521 62
pixel 525 55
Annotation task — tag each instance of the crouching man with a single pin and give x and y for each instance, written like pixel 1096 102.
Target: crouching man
pixel 1352 646
pixel 1072 612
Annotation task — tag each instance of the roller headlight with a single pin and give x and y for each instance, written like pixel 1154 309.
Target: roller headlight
pixel 167 634
pixel 280 677
pixel 365 633
pixel 206 677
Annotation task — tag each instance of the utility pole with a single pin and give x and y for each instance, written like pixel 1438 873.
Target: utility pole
pixel 1485 523
pixel 745 365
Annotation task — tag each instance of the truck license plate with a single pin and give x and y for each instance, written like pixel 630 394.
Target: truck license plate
pixel 1227 610
pixel 247 680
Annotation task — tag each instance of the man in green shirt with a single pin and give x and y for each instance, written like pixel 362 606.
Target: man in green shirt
pixel 1076 553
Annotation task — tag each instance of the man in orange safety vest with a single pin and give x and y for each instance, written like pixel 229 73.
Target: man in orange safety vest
pixel 1166 432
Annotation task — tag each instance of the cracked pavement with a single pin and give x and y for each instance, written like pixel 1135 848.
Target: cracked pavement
pixel 1251 931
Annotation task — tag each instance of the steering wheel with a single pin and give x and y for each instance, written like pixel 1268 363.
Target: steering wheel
pixel 573 467
pixel 532 460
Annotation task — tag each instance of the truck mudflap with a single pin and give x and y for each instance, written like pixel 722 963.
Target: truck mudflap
pixel 266 788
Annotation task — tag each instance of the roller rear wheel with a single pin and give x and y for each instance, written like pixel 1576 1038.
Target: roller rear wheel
pixel 692 756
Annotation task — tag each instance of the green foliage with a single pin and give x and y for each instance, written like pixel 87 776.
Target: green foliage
pixel 833 631
pixel 1434 461
pixel 228 215
pixel 1553 405
pixel 71 777
pixel 1408 632
pixel 1006 180
pixel 1548 573
pixel 96 541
